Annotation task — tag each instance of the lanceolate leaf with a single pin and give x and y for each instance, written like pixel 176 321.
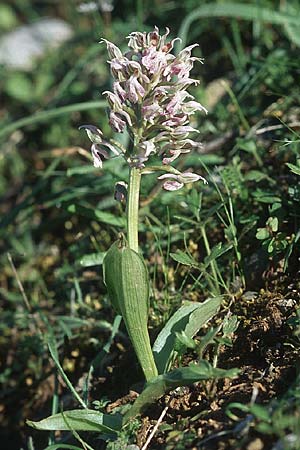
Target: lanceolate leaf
pixel 183 376
pixel 80 420
pixel 189 318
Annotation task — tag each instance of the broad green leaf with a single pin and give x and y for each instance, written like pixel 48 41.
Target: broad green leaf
pixel 94 259
pixel 96 214
pixel 189 318
pixel 8 18
pixel 184 258
pixel 183 376
pixel 80 420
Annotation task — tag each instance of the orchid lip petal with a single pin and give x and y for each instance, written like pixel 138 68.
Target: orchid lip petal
pixel 172 185
pixel 97 161
pixel 96 149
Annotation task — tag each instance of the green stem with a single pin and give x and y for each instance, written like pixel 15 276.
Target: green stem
pixel 135 320
pixel 133 208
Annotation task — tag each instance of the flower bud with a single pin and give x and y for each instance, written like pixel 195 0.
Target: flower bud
pixel 120 191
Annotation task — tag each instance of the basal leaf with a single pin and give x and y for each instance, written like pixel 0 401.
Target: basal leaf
pixel 183 376
pixel 80 420
pixel 189 318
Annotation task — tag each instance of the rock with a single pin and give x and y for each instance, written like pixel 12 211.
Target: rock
pixel 20 48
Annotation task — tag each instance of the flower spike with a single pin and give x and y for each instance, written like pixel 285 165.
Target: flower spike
pixel 150 100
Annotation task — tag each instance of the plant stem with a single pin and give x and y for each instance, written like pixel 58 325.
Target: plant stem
pixel 135 320
pixel 133 208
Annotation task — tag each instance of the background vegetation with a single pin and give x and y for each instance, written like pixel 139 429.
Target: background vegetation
pixel 238 236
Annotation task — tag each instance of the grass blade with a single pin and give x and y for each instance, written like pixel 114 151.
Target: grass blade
pixel 50 114
pixel 238 11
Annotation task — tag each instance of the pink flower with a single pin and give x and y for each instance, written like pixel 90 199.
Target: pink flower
pixel 150 112
pixel 174 182
pixel 150 99
pixel 154 61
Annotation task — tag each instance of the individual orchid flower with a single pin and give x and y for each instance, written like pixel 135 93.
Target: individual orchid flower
pixel 174 182
pixel 97 150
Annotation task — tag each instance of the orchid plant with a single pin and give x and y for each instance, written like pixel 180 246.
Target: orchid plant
pixel 150 100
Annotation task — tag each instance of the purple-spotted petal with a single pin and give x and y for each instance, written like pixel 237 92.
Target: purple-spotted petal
pixel 172 185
